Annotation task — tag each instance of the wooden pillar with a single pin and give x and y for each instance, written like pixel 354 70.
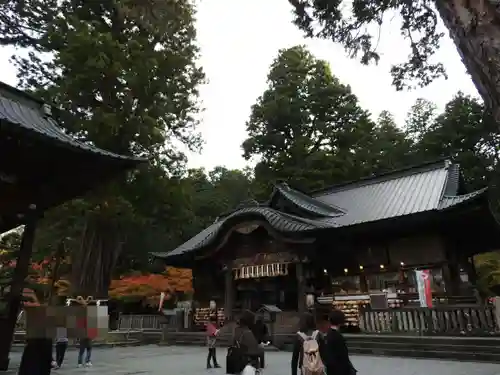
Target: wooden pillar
pixel 363 283
pixel 470 268
pixel 301 288
pixel 451 270
pixel 228 292
pixel 8 325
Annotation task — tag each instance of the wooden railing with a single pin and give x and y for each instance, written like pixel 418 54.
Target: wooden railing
pixel 471 320
pixel 139 322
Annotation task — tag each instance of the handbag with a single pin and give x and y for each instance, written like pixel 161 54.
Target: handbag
pixel 236 359
pixel 249 370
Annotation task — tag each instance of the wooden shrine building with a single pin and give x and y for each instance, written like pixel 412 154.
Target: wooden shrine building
pixel 41 167
pixel 350 240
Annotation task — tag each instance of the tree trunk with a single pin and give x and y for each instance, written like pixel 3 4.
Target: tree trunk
pixel 474 26
pixel 92 264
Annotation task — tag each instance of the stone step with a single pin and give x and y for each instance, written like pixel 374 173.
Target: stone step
pixel 420 346
pixel 435 340
pixel 429 354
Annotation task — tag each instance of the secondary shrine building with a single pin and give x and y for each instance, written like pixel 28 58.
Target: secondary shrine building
pixel 343 244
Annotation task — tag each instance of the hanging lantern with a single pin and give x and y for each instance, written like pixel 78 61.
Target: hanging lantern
pixel 162 300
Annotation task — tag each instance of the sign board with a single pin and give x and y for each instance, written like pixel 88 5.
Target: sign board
pixel 266 258
pixel 379 301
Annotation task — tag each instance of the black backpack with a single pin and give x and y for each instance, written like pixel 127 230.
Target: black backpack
pixel 236 358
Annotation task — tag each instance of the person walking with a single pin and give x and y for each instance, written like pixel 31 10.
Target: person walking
pixel 261 334
pixel 245 351
pixel 212 333
pixel 61 345
pixel 85 348
pixel 308 348
pixel 336 354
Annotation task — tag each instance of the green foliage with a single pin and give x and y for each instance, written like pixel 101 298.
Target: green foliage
pixel 488 270
pixel 124 74
pixel 356 25
pixel 419 118
pixel 464 132
pixel 214 193
pixel 309 128
pixel 125 69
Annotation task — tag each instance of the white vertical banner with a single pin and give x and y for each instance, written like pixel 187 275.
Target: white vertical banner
pixel 424 287
pixel 162 299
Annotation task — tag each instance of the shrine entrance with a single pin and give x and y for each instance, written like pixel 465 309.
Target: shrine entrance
pixel 281 291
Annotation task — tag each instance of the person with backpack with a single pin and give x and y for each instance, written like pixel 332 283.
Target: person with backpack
pixel 306 349
pixel 335 353
pixel 244 352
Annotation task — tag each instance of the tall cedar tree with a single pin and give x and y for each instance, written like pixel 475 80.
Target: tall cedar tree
pixel 309 129
pixel 464 132
pixel 124 71
pixel 473 25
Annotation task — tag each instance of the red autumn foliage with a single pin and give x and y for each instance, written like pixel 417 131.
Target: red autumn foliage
pixel 149 287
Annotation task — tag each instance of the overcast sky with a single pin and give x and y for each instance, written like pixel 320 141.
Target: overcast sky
pixel 240 39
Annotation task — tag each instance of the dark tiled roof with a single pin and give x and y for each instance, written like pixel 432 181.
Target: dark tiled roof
pixel 395 194
pixel 279 221
pixel 429 187
pixel 18 109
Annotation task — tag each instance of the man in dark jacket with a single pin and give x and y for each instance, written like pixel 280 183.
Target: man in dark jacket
pixel 335 355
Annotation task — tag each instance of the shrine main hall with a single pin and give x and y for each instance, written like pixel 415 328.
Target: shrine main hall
pixel 343 244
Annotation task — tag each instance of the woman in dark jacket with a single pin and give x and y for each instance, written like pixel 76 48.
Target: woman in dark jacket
pixel 307 327
pixel 336 354
pixel 260 332
pixel 246 339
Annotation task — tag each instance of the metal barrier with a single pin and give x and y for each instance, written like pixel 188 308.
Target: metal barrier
pixel 139 322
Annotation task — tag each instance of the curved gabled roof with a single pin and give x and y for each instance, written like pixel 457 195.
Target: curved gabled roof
pixel 280 222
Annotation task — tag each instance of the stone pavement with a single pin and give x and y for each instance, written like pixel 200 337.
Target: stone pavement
pixel 155 360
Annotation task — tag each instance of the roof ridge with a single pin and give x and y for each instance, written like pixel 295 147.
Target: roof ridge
pixel 450 201
pixel 23 94
pixel 472 193
pixel 447 164
pixel 287 190
pixel 386 176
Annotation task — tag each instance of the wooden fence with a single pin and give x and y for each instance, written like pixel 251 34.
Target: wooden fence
pixel 441 320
